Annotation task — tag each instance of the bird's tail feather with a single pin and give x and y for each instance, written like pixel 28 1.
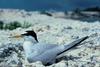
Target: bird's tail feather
pixel 73 44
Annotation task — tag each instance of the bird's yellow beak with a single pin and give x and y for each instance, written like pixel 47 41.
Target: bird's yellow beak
pixel 16 36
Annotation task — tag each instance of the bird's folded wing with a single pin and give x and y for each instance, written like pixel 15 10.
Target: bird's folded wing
pixel 42 47
pixel 73 44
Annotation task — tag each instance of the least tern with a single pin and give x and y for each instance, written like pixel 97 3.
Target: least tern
pixel 46 53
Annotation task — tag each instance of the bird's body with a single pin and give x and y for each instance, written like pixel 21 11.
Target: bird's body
pixel 41 51
pixel 46 53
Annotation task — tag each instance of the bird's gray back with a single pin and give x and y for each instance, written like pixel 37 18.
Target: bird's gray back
pixel 39 48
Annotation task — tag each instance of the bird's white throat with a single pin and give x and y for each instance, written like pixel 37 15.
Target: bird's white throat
pixel 30 38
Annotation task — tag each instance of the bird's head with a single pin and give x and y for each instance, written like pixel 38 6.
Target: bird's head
pixel 28 35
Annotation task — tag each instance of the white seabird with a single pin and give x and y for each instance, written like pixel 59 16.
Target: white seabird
pixel 46 53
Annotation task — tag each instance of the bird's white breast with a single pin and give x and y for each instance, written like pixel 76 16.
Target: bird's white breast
pixel 27 45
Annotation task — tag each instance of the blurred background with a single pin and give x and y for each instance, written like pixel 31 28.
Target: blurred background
pixel 58 5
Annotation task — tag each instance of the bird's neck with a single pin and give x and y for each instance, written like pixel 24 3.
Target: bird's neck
pixel 30 39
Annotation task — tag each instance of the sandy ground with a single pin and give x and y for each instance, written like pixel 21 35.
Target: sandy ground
pixel 55 31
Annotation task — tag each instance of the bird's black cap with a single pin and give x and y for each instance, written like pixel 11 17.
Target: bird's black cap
pixel 31 33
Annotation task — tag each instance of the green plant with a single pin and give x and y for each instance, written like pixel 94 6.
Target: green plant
pixel 1 24
pixel 26 25
pixel 12 25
